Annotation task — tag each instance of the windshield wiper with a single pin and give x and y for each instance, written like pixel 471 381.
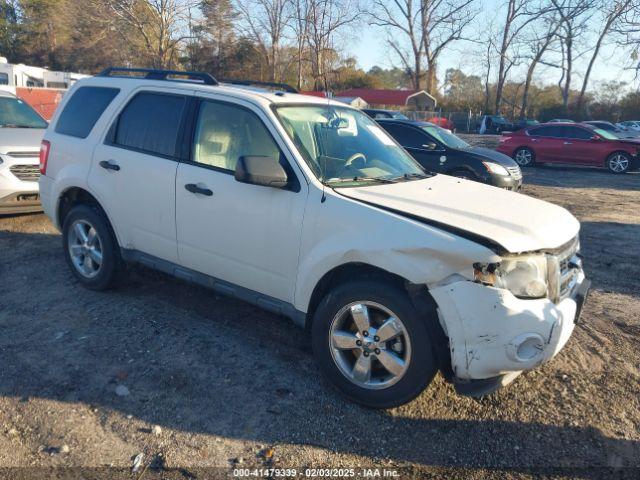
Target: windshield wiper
pixel 361 179
pixel 16 125
pixel 413 176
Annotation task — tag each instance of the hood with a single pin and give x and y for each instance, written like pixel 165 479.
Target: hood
pixel 516 222
pixel 20 139
pixel 491 155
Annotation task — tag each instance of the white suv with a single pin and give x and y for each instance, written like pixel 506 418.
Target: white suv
pixel 306 208
pixel 21 131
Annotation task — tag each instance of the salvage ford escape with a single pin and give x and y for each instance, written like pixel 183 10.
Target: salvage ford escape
pixel 307 208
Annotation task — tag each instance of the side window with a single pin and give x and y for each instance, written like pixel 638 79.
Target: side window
pixel 225 133
pixel 407 136
pixel 547 131
pixel 150 123
pixel 577 133
pixel 83 110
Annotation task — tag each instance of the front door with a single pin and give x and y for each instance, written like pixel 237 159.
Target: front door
pixel 579 148
pixel 244 234
pixel 134 170
pixel 426 150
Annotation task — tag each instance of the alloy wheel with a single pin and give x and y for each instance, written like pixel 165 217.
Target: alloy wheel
pixel 85 248
pixel 618 163
pixel 370 345
pixel 524 157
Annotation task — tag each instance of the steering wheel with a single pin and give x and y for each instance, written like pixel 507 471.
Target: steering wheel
pixel 353 158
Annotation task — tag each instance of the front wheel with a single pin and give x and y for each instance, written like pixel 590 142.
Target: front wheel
pixel 619 162
pixel 370 342
pixel 524 157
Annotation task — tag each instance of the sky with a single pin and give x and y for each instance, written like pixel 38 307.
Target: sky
pixel 370 49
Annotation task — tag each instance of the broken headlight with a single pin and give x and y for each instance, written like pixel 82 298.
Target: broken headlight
pixel 523 275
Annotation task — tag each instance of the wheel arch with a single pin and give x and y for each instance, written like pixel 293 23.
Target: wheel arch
pixel 73 196
pixel 419 295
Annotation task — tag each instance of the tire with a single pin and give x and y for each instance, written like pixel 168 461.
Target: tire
pixel 99 239
pixel 618 162
pixel 382 299
pixel 525 157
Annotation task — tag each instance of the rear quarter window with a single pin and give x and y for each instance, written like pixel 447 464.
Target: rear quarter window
pixel 83 110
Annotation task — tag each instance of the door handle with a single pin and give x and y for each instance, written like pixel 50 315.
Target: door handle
pixel 568 143
pixel 109 165
pixel 193 188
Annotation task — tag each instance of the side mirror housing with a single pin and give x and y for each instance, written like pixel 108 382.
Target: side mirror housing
pixel 596 138
pixel 259 170
pixel 430 146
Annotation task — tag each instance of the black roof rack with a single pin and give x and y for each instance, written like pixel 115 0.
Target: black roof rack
pixel 257 83
pixel 153 74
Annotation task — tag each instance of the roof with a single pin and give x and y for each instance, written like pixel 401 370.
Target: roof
pixel 383 97
pixel 261 96
pixel 408 121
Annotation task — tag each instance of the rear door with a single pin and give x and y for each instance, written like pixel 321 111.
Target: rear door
pixel 425 149
pixel 547 143
pixel 134 170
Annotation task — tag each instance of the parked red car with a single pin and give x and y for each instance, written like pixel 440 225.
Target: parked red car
pixel 571 143
pixel 443 123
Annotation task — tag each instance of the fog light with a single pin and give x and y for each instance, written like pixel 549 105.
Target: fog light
pixel 525 347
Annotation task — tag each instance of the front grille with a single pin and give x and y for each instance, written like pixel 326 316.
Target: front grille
pixel 23 154
pixel 515 172
pixel 567 260
pixel 26 173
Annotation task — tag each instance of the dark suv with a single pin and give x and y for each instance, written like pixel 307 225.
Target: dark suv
pixel 438 150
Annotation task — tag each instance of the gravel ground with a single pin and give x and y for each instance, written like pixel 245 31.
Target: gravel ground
pixel 193 380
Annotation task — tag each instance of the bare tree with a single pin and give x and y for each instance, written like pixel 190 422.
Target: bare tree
pixel 573 24
pixel 539 45
pixel 163 24
pixel 520 14
pixel 443 22
pixel 327 18
pixel 266 21
pixel 403 16
pixel 613 11
pixel 428 26
pixel 300 26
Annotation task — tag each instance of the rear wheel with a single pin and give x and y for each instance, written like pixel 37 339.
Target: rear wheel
pixel 371 343
pixel 90 247
pixel 619 162
pixel 524 157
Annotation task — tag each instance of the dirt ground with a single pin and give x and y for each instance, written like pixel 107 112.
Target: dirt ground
pixel 195 381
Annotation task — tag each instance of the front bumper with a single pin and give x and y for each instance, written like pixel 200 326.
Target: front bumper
pixel 16 195
pixel 494 336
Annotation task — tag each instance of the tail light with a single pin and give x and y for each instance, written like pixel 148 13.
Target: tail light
pixel 45 146
pixel 504 139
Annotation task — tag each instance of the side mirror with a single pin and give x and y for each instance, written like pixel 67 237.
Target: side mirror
pixel 596 138
pixel 259 170
pixel 430 146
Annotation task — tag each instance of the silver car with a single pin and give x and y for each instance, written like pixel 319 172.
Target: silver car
pixel 21 132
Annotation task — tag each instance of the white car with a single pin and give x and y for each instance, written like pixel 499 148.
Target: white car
pixel 21 131
pixel 630 125
pixel 307 208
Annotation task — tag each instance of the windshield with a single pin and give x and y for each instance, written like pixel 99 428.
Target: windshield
pixel 605 134
pixel 344 147
pixel 14 113
pixel 443 136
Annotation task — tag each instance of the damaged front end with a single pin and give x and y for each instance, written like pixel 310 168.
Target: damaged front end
pixel 513 316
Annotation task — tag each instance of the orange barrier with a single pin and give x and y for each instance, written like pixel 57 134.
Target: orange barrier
pixel 43 100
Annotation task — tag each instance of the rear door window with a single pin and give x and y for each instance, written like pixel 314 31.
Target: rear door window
pixel 83 110
pixel 150 123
